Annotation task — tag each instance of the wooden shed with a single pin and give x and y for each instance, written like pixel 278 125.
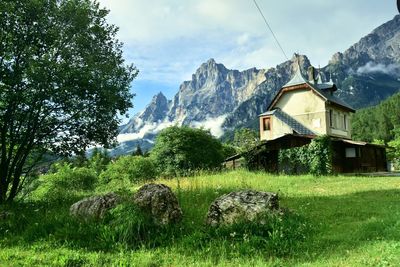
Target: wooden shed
pixel 348 156
pixel 355 156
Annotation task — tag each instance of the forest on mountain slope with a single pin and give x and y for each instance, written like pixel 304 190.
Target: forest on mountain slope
pixel 380 122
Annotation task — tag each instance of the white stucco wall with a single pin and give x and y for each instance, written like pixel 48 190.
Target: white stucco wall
pixel 312 111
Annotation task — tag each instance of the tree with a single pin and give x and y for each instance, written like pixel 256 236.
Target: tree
pixel 138 151
pixel 245 139
pixel 131 168
pixel 394 149
pixel 63 82
pixel 378 122
pixel 228 150
pixel 99 160
pixel 179 150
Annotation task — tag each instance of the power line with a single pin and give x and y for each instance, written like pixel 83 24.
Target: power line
pixel 269 27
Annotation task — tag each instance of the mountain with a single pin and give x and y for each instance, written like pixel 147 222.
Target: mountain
pixel 221 99
pixel 205 101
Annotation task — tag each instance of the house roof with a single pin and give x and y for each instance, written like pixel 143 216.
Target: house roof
pixel 323 89
pixel 334 99
pixel 297 79
pixel 298 127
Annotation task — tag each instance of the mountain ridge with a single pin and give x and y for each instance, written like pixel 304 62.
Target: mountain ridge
pixel 221 99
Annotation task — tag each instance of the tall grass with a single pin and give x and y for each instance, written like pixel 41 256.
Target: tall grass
pixel 334 220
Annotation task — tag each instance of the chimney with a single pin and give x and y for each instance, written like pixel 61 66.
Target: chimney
pixel 311 75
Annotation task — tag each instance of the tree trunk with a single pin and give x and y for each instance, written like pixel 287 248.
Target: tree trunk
pixel 3 180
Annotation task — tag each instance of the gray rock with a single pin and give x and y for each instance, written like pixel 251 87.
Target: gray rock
pixel 159 202
pixel 94 207
pixel 241 206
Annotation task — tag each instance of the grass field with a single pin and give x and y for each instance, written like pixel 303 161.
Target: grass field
pixel 341 221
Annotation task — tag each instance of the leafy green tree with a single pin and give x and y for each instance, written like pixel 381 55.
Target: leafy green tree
pixel 245 139
pixel 63 82
pixel 180 150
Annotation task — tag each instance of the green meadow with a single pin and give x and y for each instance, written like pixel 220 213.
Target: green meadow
pixel 329 221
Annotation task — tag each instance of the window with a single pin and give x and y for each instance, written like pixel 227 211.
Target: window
pixel 267 124
pixel 331 117
pixel 345 122
pixel 351 152
pixel 334 120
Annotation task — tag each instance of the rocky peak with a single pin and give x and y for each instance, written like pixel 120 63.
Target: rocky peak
pixel 156 110
pixel 159 98
pixel 381 45
pixel 389 28
pixel 208 72
pixel 336 58
pixel 213 91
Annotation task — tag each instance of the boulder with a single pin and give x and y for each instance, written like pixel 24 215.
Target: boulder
pixel 241 206
pixel 94 207
pixel 158 201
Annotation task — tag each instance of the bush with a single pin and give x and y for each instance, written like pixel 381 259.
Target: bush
pixel 127 225
pixel 182 150
pixel 246 139
pixel 99 160
pixel 228 150
pixel 130 168
pixel 64 180
pixel 314 158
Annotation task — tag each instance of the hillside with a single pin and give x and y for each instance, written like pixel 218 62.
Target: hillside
pixel 222 100
pixel 377 122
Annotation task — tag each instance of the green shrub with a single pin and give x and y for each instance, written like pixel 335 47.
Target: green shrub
pixel 314 158
pixel 64 180
pixel 99 160
pixel 127 226
pixel 129 168
pixel 246 139
pixel 228 150
pixel 182 150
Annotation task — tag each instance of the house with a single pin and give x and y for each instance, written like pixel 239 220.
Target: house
pixel 304 109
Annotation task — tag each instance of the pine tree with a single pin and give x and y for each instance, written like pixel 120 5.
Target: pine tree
pixel 138 151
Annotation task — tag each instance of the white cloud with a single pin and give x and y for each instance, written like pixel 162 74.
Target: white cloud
pixel 212 124
pixel 134 136
pixel 149 128
pixel 372 67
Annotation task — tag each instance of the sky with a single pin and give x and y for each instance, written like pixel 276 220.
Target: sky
pixel 167 40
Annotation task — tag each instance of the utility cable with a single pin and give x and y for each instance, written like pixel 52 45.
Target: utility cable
pixel 269 27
